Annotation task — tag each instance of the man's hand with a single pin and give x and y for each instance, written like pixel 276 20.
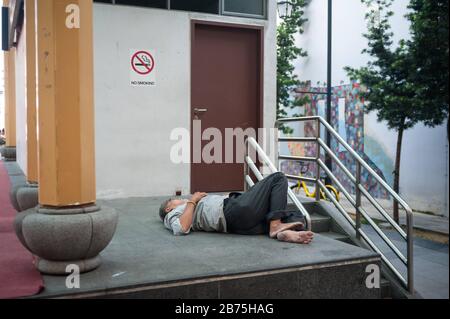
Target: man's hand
pixel 198 197
pixel 188 215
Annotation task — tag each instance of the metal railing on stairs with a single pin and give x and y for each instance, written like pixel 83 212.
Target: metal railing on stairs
pixel 250 165
pixel 360 191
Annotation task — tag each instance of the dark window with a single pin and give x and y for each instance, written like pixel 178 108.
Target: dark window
pixel 252 7
pixel 162 4
pixel 205 6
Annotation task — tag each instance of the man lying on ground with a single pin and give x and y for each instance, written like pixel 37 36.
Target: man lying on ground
pixel 258 211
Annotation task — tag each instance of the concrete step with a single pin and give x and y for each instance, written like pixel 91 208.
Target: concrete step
pixel 386 291
pixel 336 236
pixel 320 224
pixel 390 288
pixel 145 260
pixel 266 269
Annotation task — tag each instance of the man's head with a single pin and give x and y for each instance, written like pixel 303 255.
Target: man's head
pixel 168 206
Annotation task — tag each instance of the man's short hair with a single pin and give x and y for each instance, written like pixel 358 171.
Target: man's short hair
pixel 162 209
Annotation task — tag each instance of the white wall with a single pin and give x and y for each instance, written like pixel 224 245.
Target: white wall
pixel 424 181
pixel 21 111
pixel 133 124
pixel 348 26
pixel 425 169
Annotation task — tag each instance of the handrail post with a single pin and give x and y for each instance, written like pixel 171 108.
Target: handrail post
pixel 318 171
pixel 246 170
pixel 358 200
pixel 410 253
pixel 277 145
pixel 360 191
pixel 267 161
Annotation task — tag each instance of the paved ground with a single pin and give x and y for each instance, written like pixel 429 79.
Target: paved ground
pixel 431 269
pixel 422 221
pixel 431 263
pixel 431 259
pixel 144 252
pixel 15 173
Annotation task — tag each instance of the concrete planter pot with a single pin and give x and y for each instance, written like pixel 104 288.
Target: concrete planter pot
pixel 8 152
pixel 66 236
pixel 24 197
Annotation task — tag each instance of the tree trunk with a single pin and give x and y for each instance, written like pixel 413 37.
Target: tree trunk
pixel 397 173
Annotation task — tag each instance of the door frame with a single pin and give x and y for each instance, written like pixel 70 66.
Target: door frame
pixel 260 107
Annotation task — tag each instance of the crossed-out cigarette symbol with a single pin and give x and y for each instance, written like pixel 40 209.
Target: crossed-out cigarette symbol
pixel 142 62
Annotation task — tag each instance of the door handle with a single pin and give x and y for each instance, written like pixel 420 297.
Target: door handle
pixel 200 111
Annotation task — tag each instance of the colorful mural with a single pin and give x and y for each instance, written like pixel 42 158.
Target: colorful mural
pixel 346 99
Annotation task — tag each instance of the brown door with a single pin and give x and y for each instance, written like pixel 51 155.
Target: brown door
pixel 226 88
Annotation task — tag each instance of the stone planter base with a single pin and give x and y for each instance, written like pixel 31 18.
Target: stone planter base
pixel 62 237
pixel 24 197
pixel 8 152
pixel 55 268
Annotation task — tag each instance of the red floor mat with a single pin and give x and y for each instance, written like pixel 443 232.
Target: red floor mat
pixel 18 276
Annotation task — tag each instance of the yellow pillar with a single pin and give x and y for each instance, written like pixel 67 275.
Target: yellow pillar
pixel 30 99
pixel 67 228
pixel 10 93
pixel 65 103
pixel 10 97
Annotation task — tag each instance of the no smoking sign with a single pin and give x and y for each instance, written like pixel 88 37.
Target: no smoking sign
pixel 142 68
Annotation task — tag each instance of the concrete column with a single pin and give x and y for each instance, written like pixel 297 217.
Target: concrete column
pixel 30 100
pixel 25 196
pixel 9 151
pixel 10 95
pixel 67 227
pixel 66 113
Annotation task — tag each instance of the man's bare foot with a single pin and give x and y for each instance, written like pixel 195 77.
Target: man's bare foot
pixel 275 230
pixel 303 237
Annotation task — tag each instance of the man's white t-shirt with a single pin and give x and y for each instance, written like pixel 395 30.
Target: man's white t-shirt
pixel 208 217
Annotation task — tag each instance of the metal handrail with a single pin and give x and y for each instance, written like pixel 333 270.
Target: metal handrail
pixel 250 164
pixel 360 191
